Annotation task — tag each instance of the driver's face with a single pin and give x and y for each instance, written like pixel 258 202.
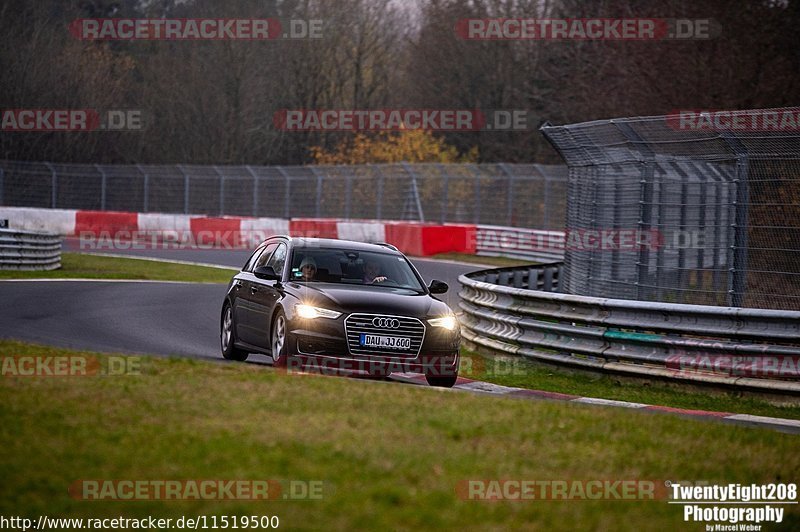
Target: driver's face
pixel 308 271
pixel 372 268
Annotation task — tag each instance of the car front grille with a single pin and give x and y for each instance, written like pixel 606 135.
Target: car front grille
pixel 357 324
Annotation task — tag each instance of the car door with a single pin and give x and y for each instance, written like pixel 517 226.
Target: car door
pixel 247 312
pixel 265 295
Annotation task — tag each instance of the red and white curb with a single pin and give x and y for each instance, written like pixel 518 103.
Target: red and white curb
pixel 780 424
pixel 105 228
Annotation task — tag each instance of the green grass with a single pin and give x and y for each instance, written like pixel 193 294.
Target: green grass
pixel 88 266
pixel 389 455
pixel 497 262
pixel 521 373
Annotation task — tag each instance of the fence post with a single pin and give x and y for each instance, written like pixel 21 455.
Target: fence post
pixel 718 188
pixel 221 190
pixel 348 193
pixel 737 278
pixel 318 208
pixel 146 188
pixel 645 200
pixel 379 206
pixel 255 190
pixel 53 185
pixel 288 195
pixel 412 198
pixel 185 189
pixel 477 192
pixel 102 187
pixel 509 195
pixel 446 184
pixel 546 200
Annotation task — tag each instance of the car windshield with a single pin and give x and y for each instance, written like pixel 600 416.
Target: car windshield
pixel 353 267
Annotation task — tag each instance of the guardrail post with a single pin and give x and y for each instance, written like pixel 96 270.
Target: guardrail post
pixel 255 190
pixel 185 189
pixel 102 187
pixel 146 189
pixel 53 185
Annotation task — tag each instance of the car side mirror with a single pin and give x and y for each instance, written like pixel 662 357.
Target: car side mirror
pixel 266 273
pixel 438 287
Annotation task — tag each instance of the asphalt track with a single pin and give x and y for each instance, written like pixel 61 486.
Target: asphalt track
pixel 143 317
pixel 182 319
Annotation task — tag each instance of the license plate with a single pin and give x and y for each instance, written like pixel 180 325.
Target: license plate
pixel 389 342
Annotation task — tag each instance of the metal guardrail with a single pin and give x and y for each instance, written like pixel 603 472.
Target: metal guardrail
pixel 517 311
pixel 25 250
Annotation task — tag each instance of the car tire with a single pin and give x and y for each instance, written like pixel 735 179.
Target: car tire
pixel 441 381
pixel 279 340
pixel 227 337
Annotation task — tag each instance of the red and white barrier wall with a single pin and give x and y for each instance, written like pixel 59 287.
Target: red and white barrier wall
pixel 416 239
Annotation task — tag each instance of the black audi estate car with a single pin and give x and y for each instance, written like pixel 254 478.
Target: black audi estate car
pixel 340 305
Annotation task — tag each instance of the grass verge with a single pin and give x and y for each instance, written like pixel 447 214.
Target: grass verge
pixel 390 456
pixel 88 266
pixel 521 373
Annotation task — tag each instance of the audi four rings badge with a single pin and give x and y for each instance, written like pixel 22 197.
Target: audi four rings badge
pixel 386 323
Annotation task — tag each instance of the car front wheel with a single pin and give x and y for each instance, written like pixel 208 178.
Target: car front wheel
pixel 280 341
pixel 228 337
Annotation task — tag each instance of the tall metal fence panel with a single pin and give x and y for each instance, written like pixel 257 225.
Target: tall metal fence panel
pixel 713 200
pixel 521 195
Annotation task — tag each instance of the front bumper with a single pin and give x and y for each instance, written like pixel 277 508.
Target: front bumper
pixel 323 346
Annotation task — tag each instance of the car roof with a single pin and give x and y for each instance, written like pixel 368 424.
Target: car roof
pixel 334 243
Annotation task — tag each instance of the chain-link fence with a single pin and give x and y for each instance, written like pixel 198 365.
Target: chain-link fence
pixel 522 195
pixel 714 199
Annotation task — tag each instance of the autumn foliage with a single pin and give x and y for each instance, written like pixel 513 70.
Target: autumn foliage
pixel 413 146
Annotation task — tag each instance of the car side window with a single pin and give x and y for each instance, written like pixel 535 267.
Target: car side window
pixel 278 259
pixel 248 266
pixel 265 256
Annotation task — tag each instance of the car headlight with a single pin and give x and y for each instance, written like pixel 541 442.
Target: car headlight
pixel 308 312
pixel 447 322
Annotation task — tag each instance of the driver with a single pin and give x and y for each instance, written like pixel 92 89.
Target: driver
pixel 308 269
pixel 372 273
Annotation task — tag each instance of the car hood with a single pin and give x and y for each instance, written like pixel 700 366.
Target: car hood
pixel 379 300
